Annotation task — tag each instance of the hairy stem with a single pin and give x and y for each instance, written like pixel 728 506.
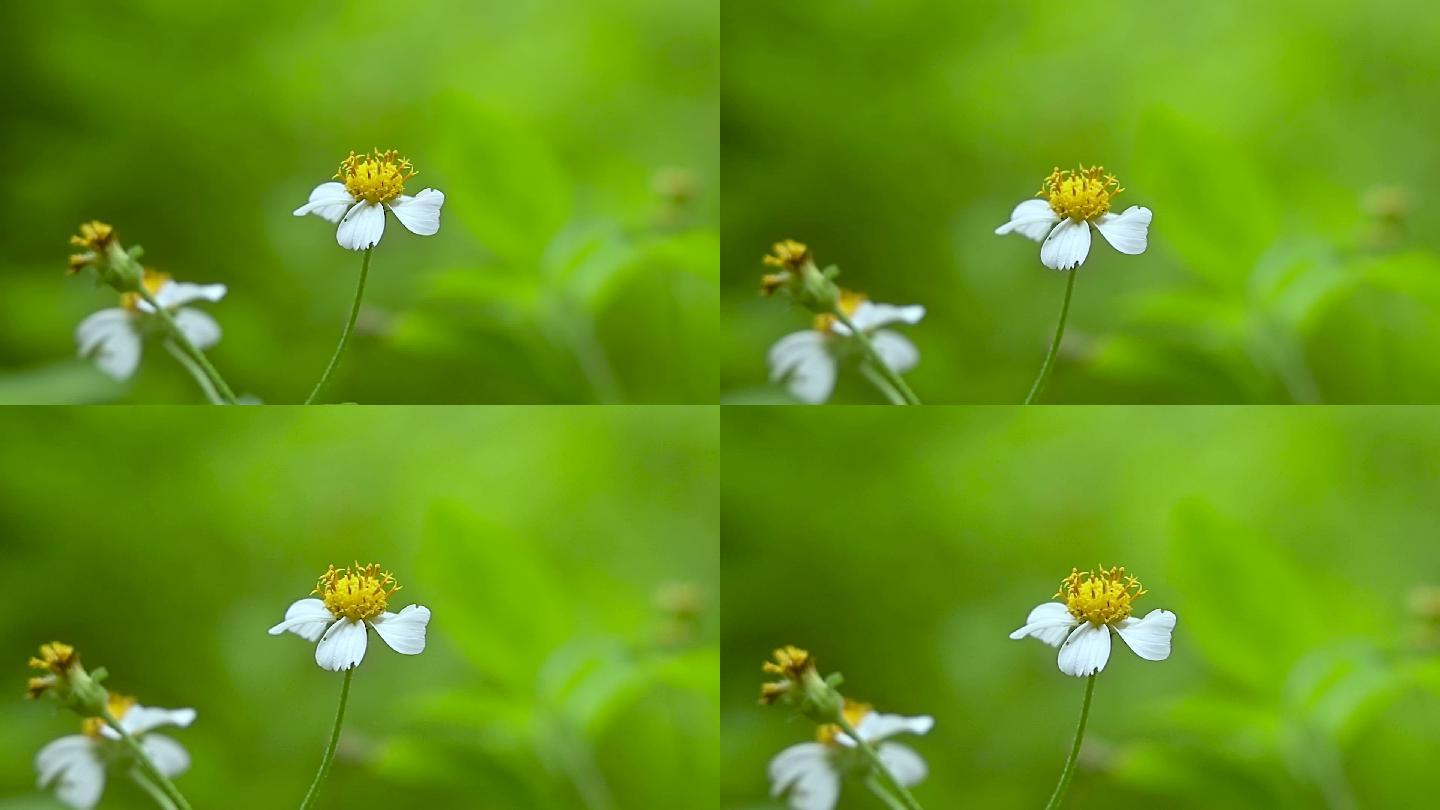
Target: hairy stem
pixel 1054 344
pixel 1069 772
pixel 329 757
pixel 345 335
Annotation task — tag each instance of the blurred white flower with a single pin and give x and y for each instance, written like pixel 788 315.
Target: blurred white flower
pixel 1073 201
pixel 806 361
pixel 362 189
pixel 1095 602
pixel 75 765
pixel 114 337
pixel 348 600
pixel 809 774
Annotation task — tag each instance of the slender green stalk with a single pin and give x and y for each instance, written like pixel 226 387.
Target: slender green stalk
pixel 158 779
pixel 189 348
pixel 1069 772
pixel 883 794
pixel 879 382
pixel 349 327
pixel 1054 344
pixel 155 793
pixel 196 372
pixel 888 779
pixel 329 758
pixel 891 376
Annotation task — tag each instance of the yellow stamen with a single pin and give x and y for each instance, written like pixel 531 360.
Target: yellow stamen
pixel 55 657
pixel 118 705
pixel 854 712
pixel 850 301
pixel 787 255
pixel 153 281
pixel 1102 596
pixel 378 177
pixel 1082 195
pixel 358 593
pixel 94 235
pixel 790 662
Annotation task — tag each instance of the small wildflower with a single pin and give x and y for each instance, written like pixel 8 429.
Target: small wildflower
pixel 363 187
pixel 1072 202
pixel 75 765
pixel 114 337
pixel 95 236
pixel 346 600
pixel 810 774
pixel 1094 603
pixel 807 361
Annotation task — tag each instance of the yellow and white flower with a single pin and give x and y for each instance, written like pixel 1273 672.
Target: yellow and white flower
pixel 1096 602
pixel 114 337
pixel 348 599
pixel 1072 202
pixel 76 764
pixel 362 189
pixel 809 774
pixel 806 362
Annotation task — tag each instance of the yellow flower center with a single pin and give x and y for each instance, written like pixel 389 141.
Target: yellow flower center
pixel 356 593
pixel 850 301
pixel 378 177
pixel 1082 195
pixel 1103 596
pixel 854 712
pixel 94 235
pixel 152 280
pixel 55 657
pixel 118 705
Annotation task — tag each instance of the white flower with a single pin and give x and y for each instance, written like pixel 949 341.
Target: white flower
pixel 811 772
pixel 366 185
pixel 1075 200
pixel 806 361
pixel 114 337
pixel 76 764
pixel 1096 602
pixel 350 599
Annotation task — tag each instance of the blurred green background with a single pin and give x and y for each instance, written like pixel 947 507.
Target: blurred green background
pixel 570 557
pixel 576 143
pixel 1287 150
pixel 1296 546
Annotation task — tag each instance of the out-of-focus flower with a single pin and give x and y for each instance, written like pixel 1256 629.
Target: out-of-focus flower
pixel 114 337
pixel 75 765
pixel 806 362
pixel 363 188
pixel 1095 602
pixel 810 774
pixel 348 600
pixel 1072 202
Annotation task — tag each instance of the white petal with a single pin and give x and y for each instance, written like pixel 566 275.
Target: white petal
pixel 896 350
pixel 110 337
pixel 73 763
pixel 170 757
pixel 404 631
pixel 874 727
pixel 362 227
pixel 328 201
pixel 1148 637
pixel 1067 246
pixel 1031 218
pixel 1086 650
pixel 869 316
pixel 903 763
pixel 198 327
pixel 343 646
pixel 805 771
pixel 307 619
pixel 803 362
pixel 174 294
pixel 1050 622
pixel 1126 232
pixel 141 719
pixel 421 213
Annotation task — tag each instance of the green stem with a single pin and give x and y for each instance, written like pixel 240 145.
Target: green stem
pixel 880 384
pixel 349 327
pixel 890 375
pixel 195 371
pixel 146 765
pixel 1054 344
pixel 189 348
pixel 139 778
pixel 1069 772
pixel 329 758
pixel 883 794
pixel 906 800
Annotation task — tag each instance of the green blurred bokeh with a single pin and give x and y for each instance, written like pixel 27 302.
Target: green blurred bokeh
pixel 576 143
pixel 570 557
pixel 1287 150
pixel 1296 547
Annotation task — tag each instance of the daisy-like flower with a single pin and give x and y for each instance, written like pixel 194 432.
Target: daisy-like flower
pixel 1072 202
pixel 359 194
pixel 348 599
pixel 114 337
pixel 1095 602
pixel 75 765
pixel 811 772
pixel 807 361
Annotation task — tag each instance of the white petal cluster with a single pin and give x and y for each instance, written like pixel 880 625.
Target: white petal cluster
pixel 1085 646
pixel 362 223
pixel 1064 243
pixel 342 641
pixel 75 765
pixel 806 361
pixel 115 337
pixel 809 774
